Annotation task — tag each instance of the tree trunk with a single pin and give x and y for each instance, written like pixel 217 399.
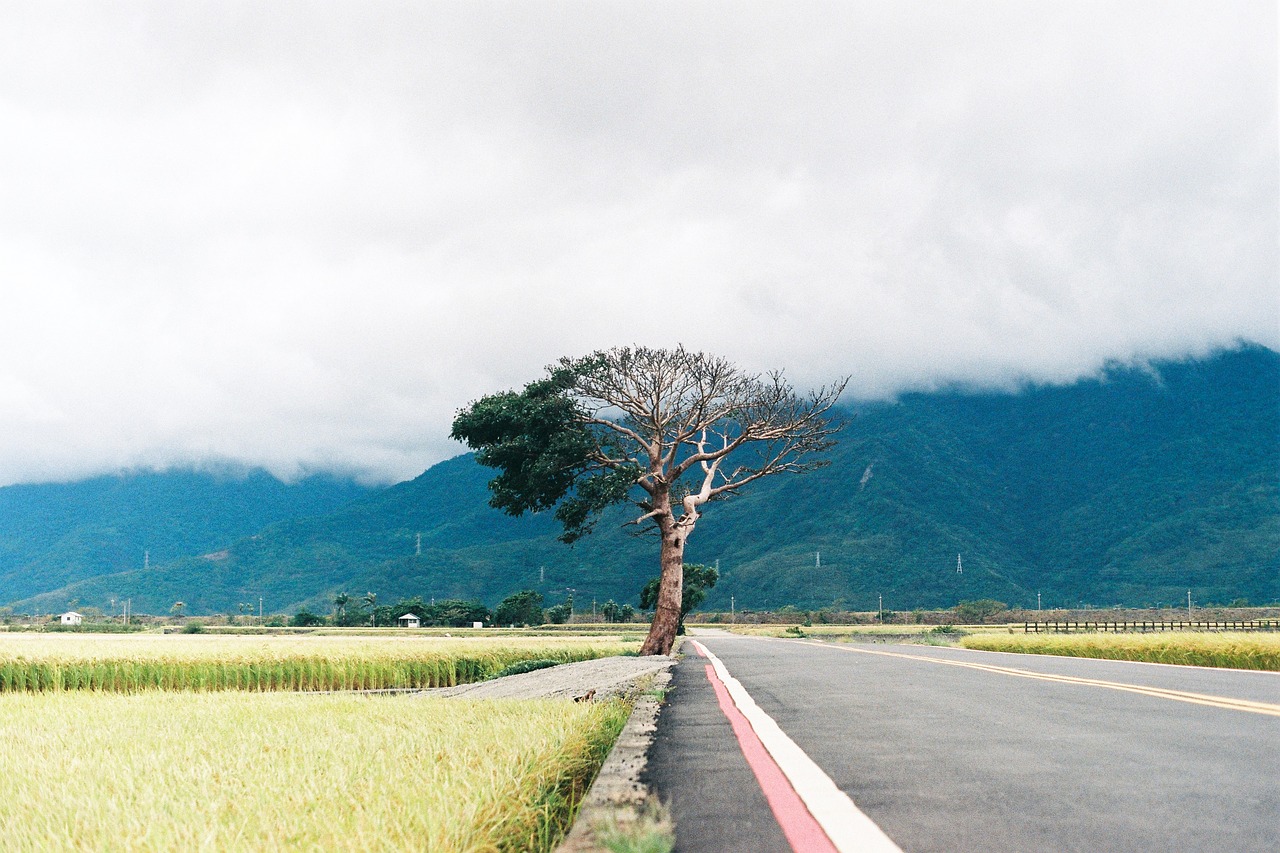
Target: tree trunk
pixel 666 617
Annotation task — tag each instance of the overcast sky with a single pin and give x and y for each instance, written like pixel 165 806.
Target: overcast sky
pixel 301 235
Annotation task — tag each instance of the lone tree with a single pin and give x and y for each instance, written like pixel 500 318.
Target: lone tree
pixel 665 429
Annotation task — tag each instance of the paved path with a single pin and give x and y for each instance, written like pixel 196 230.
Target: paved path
pixel 953 750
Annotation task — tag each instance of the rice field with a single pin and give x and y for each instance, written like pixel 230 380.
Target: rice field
pixel 243 771
pixel 1231 650
pixel 130 663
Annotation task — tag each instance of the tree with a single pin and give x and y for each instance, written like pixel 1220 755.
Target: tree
pixel 697 580
pixel 560 613
pixel 371 599
pixel 667 430
pixel 304 618
pixel 177 608
pixel 454 612
pixel 520 608
pixel 340 602
pixel 975 612
pixel 609 611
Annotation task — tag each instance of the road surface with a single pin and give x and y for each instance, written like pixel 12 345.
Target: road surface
pixel 955 750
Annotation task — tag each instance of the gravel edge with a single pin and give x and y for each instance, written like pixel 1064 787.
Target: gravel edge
pixel 617 799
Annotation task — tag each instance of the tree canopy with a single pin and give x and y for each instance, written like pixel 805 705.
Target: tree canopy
pixel 667 430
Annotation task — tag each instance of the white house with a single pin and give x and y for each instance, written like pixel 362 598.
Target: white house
pixel 409 620
pixel 71 618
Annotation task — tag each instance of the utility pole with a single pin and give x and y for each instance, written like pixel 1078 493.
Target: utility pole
pixel 259 608
pixel 817 559
pixel 1188 605
pixel 1037 602
pixel 880 611
pixel 733 614
pixel 959 565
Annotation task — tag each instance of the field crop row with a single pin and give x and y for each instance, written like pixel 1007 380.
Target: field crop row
pixel 132 663
pixel 240 771
pixel 1235 651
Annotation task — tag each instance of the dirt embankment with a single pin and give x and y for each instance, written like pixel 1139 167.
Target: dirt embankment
pixel 614 676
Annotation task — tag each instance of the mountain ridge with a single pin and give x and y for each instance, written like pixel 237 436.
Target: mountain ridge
pixel 1127 488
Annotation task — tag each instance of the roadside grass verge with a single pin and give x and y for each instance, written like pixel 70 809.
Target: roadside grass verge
pixel 1231 650
pixel 196 662
pixel 236 771
pixel 603 630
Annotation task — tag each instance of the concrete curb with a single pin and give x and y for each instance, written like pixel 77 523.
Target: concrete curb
pixel 617 799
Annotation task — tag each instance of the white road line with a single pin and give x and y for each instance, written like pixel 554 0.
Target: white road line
pixel 849 829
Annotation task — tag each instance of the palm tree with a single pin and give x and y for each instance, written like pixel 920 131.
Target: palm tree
pixel 340 605
pixel 372 600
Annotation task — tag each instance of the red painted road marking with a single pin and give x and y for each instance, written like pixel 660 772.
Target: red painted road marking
pixel 847 829
pixel 802 832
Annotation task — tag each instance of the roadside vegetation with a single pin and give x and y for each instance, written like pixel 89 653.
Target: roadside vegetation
pixel 234 771
pixel 1233 650
pixel 201 662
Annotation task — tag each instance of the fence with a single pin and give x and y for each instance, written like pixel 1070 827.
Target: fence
pixel 1147 627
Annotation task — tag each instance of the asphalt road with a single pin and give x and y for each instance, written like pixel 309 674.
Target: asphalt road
pixel 947 750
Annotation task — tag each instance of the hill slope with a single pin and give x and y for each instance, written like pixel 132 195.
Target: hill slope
pixel 1130 488
pixel 52 535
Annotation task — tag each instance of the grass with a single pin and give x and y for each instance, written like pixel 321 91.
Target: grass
pixel 201 662
pixel 651 832
pixel 577 629
pixel 1232 650
pixel 239 771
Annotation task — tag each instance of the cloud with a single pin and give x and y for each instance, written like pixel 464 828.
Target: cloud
pixel 303 235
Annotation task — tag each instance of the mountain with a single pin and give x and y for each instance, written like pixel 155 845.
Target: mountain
pixel 1129 488
pixel 53 535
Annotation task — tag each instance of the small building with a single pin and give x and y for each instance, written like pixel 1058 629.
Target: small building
pixel 71 618
pixel 409 620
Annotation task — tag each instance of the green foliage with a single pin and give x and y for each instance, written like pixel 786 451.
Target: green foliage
pixel 455 612
pixel 559 614
pixel 698 579
pixel 305 619
pixel 527 666
pixel 539 442
pixel 193 628
pixel 976 612
pixel 520 608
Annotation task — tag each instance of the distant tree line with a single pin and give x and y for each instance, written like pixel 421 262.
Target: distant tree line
pixel 520 609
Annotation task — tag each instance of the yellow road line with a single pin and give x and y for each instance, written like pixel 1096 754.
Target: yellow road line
pixel 1267 708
